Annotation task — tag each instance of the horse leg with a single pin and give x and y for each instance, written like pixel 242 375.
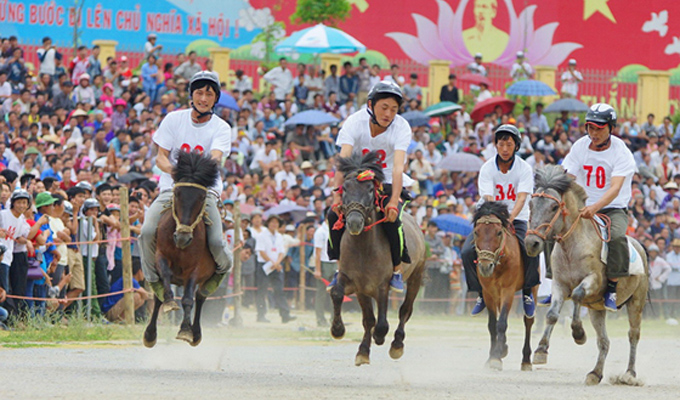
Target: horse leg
pixel 493 363
pixel 150 332
pixel 169 303
pixel 382 327
pixel 598 319
pixel 337 295
pixel 185 333
pixel 541 353
pixel 577 331
pixel 405 311
pixel 369 322
pixel 634 306
pixel 500 350
pixel 196 326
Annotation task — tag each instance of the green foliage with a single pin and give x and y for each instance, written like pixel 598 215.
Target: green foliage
pixel 264 42
pixel 628 74
pixel 675 118
pixel 328 12
pixel 201 47
pixel 675 75
pixel 372 57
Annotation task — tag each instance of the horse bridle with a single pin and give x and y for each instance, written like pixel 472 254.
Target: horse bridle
pixel 181 228
pixel 487 255
pixel 549 226
pixel 345 209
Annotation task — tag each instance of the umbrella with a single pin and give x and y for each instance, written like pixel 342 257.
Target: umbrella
pixel 475 79
pixel 530 87
pixel 454 224
pixel 463 162
pixel 489 105
pixel 228 101
pixel 131 177
pixel 312 117
pixel 416 118
pixel 296 212
pixel 443 108
pixel 320 39
pixel 569 105
pixel 246 208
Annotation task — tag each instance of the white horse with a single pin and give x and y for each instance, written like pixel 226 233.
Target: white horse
pixel 578 271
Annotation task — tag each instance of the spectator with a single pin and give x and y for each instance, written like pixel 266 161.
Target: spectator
pixel 570 80
pixel 363 74
pixel 484 93
pixel 521 69
pixel 437 287
pixel 539 120
pixel 16 68
pixel 659 270
pixel 84 92
pixel 79 65
pixel 47 54
pixel 94 67
pixel 324 268
pixel 394 76
pixel 282 80
pixel 301 92
pixel 188 68
pixel 449 92
pixel 113 306
pixel 349 84
pixel 151 48
pixel 243 82
pixel 332 82
pixel 476 67
pixel 314 84
pixel 150 77
pixel 412 91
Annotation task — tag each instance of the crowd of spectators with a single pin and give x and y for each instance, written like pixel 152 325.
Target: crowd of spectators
pixel 75 131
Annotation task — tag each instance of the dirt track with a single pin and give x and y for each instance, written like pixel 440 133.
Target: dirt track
pixel 444 359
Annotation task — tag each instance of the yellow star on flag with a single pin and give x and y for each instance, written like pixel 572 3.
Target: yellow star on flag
pixel 590 7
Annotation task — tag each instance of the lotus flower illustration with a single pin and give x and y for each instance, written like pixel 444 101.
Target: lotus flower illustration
pixel 444 40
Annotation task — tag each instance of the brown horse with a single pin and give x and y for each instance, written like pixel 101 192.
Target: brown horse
pixel 183 258
pixel 365 264
pixel 501 273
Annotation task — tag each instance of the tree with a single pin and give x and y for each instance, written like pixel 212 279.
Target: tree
pixel 329 12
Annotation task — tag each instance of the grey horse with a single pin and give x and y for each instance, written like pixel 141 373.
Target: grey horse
pixel 578 272
pixel 365 264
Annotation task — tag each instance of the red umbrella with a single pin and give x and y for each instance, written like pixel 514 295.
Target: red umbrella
pixel 489 105
pixel 475 79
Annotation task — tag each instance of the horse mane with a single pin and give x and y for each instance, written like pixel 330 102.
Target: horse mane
pixel 556 178
pixel 495 208
pixel 358 162
pixel 197 168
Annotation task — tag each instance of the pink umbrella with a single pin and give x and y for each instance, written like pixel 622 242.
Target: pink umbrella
pixel 475 79
pixel 489 105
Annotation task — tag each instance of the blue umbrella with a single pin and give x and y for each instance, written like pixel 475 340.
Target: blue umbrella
pixel 454 224
pixel 298 213
pixel 530 88
pixel 416 118
pixel 311 117
pixel 228 101
pixel 320 39
pixel 569 105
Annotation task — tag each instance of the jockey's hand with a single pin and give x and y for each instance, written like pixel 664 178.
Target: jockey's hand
pixel 588 212
pixel 392 210
pixel 317 274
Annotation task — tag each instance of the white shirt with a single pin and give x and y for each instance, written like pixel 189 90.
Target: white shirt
pixel 505 187
pixel 271 244
pixel 47 64
pixel 282 80
pixel 178 132
pixel 483 95
pixel 262 155
pixel 57 225
pixel 321 241
pixel 570 82
pixel 594 170
pixel 356 132
pixel 5 90
pixel 523 71
pixel 16 228
pixel 285 176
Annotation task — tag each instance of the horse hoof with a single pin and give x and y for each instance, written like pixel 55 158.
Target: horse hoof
pixel 195 342
pixel 379 341
pixel 527 367
pixel 579 336
pixel 593 379
pixel 170 306
pixel 494 364
pixel 187 336
pixel 361 359
pixel 540 358
pixel 628 379
pixel 338 331
pixel 149 343
pixel 396 352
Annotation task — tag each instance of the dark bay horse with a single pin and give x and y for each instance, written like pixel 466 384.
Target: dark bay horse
pixel 578 272
pixel 365 263
pixel 182 254
pixel 500 268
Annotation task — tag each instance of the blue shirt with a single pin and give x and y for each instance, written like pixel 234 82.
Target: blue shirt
pixel 49 173
pixel 117 286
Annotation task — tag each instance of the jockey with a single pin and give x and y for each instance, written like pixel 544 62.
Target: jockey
pixel 507 178
pixel 378 128
pixel 196 129
pixel 604 166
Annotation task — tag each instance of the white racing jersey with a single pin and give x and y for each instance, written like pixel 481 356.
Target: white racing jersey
pixel 505 187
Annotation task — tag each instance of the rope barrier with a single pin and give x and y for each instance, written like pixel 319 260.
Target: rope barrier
pixel 63 300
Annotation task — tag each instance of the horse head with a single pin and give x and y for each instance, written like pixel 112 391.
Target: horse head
pixel 490 229
pixel 363 176
pixel 549 207
pixel 194 174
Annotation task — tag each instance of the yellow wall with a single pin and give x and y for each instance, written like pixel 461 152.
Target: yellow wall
pixel 438 77
pixel 652 94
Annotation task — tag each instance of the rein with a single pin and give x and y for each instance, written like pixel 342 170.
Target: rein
pixel 181 228
pixel 487 255
pixel 564 212
pixel 343 209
